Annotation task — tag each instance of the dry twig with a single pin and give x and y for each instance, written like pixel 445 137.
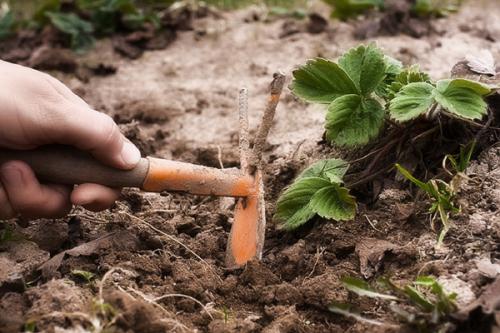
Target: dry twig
pixel 244 141
pixel 267 120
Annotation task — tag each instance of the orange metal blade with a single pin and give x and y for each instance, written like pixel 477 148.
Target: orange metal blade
pixel 246 239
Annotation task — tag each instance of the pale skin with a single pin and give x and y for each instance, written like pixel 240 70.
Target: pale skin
pixel 36 109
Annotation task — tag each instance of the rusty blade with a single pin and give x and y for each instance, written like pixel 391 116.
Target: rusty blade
pixel 246 239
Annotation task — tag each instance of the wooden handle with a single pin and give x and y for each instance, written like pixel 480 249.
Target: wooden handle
pixel 66 165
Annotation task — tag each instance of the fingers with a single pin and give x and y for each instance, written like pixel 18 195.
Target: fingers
pixel 28 197
pixel 94 197
pixel 21 193
pixel 6 210
pixel 64 91
pixel 97 133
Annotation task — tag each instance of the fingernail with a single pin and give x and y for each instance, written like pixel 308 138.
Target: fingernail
pixel 130 154
pixel 11 176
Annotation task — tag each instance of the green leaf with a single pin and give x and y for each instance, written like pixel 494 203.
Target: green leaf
pixel 366 66
pixel 85 275
pixel 344 9
pixel 409 176
pixel 461 97
pixel 293 206
pixel 418 299
pixel 392 66
pixel 361 288
pixel 321 81
pixel 43 8
pixel 438 8
pixel 477 87
pixel 392 70
pixel 411 101
pixel 427 281
pixel 352 121
pixel 334 202
pixel 79 30
pixel 332 169
pixel 445 302
pixel 6 24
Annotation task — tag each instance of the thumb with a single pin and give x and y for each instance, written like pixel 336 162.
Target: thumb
pixel 98 134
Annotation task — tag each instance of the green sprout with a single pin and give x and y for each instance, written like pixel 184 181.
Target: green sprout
pixel 442 196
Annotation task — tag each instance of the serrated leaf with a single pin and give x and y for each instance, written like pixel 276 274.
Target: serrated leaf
pixel 352 121
pixel 332 169
pixel 321 81
pixel 475 86
pixel 462 97
pixel 411 101
pixel 293 206
pixel 392 66
pixel 392 70
pixel 366 66
pixel 334 202
pixel 361 288
pixel 79 30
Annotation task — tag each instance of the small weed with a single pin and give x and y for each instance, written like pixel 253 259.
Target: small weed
pixel 422 304
pixel 30 326
pixel 442 195
pixel 87 276
pixel 8 234
pixel 345 9
pixel 226 314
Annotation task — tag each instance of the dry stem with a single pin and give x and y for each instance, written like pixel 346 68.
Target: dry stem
pixel 244 141
pixel 267 120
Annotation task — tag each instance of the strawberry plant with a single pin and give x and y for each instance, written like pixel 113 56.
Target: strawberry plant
pixel 317 190
pixel 367 93
pixel 6 21
pixel 364 87
pixel 436 7
pixel 344 9
pixel 83 20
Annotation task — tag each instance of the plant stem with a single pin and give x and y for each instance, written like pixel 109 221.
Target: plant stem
pixel 244 142
pixel 267 120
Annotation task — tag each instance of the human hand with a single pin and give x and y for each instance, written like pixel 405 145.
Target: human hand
pixel 37 109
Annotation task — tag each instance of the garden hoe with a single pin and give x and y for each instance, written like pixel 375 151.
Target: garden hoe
pixel 66 165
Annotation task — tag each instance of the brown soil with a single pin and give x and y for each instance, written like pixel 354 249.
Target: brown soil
pixel 180 103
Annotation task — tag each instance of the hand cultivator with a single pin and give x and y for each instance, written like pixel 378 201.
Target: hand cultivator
pixel 66 165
